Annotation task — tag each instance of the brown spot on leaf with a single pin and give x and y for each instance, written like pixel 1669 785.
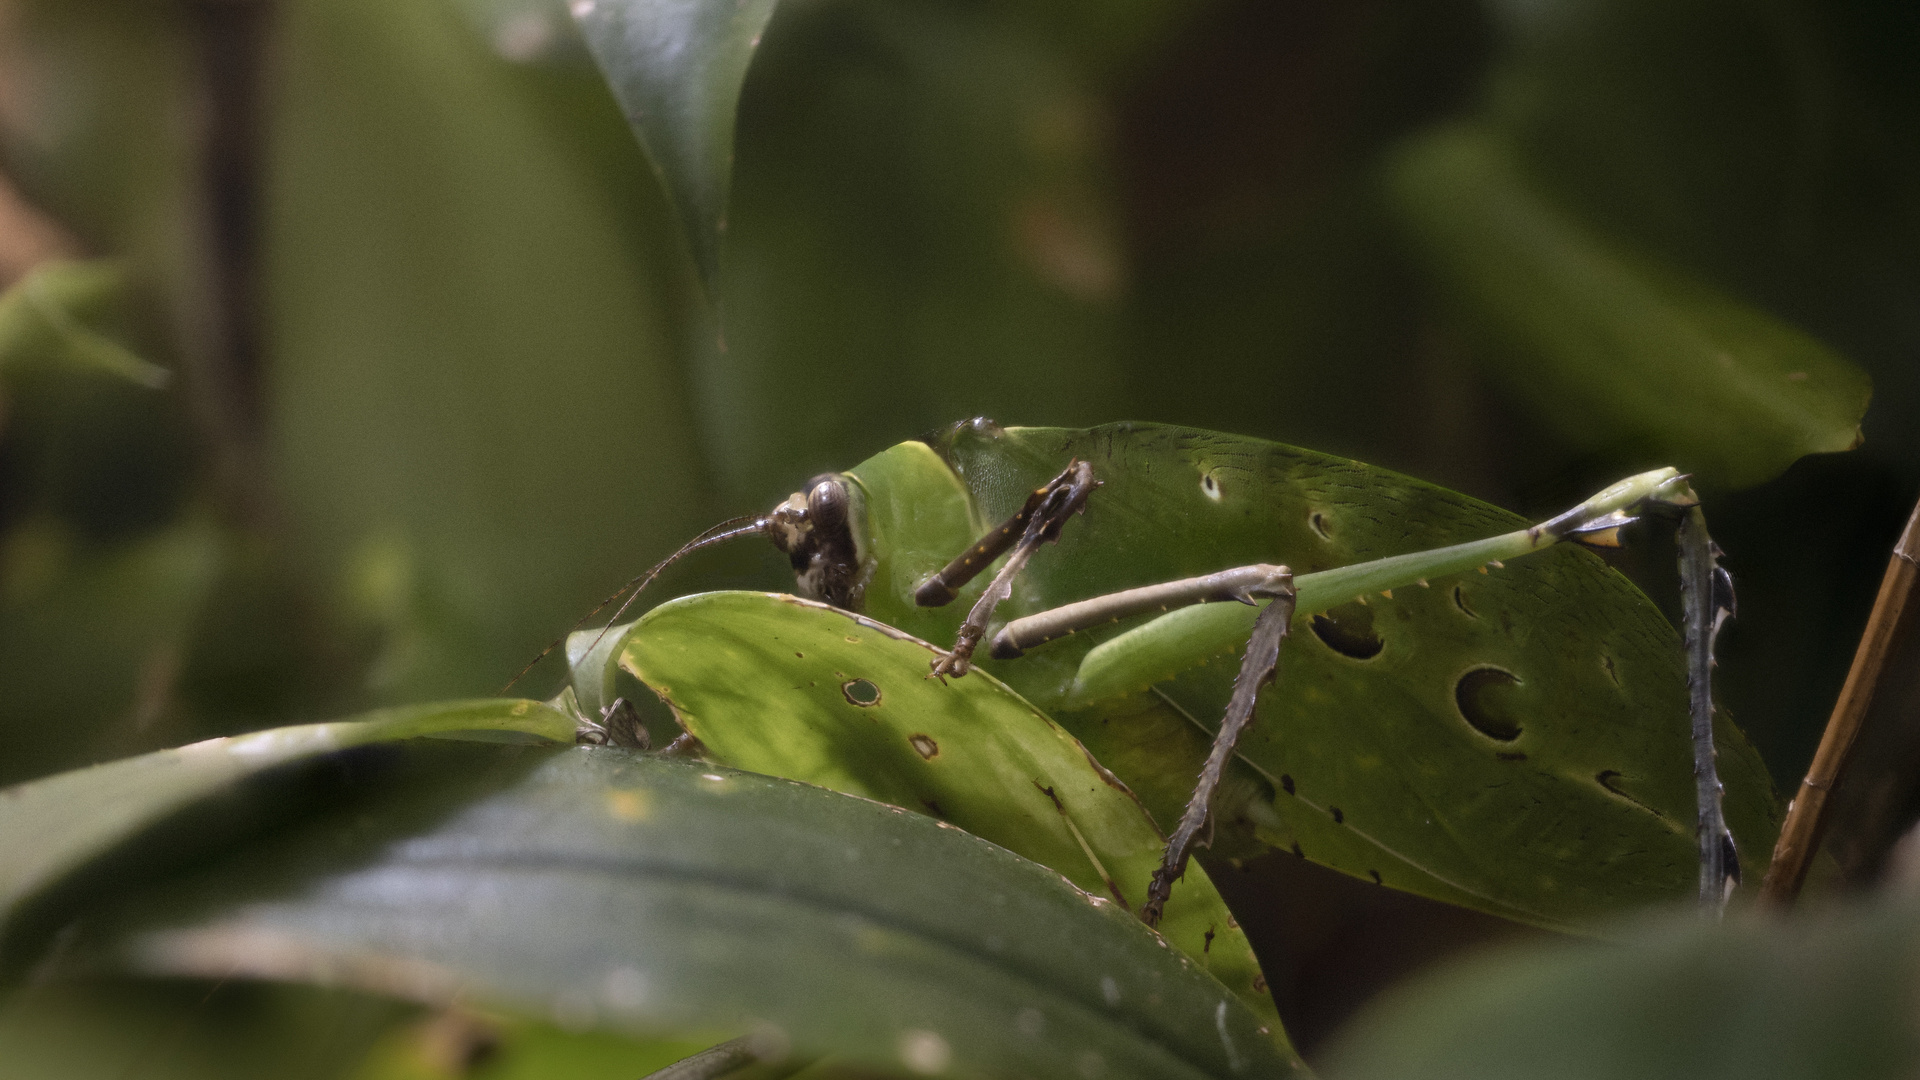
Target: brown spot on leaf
pixel 925 746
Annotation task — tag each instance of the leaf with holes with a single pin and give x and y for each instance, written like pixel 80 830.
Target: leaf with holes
pixel 604 889
pixel 796 688
pixel 1514 740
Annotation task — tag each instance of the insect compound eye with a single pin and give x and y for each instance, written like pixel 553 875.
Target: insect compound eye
pixel 827 504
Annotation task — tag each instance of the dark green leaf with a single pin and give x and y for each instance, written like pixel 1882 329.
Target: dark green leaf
pixel 676 67
pixel 51 826
pixel 798 689
pixel 1787 1000
pixel 1615 348
pixel 606 889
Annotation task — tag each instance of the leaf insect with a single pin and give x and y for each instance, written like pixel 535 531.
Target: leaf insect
pixel 1414 670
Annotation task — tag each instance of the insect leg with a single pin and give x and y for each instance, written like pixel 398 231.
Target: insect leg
pixel 1038 522
pixel 1256 670
pixel 1242 583
pixel 1706 592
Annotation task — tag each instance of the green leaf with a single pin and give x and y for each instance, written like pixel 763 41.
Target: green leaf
pixel 1784 999
pixel 795 688
pixel 53 825
pixel 616 891
pixel 51 318
pixel 1616 349
pixel 676 67
pixel 447 453
pixel 1513 741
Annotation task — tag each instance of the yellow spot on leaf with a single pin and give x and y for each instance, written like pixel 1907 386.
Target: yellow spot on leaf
pixel 628 804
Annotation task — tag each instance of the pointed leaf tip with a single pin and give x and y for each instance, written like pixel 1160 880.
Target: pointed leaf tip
pixel 676 67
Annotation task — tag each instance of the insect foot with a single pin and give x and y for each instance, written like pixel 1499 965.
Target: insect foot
pixel 619 725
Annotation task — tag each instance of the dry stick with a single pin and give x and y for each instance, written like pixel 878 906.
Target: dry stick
pixel 1800 836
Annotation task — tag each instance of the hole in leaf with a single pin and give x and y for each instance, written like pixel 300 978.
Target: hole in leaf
pixel 860 692
pixel 925 746
pixel 1318 522
pixel 1485 698
pixel 1348 630
pixel 1460 601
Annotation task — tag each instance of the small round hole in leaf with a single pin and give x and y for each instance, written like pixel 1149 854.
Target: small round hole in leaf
pixel 861 692
pixel 1485 698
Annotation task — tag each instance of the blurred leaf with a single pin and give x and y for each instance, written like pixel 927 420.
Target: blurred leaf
pixel 55 824
pixel 676 67
pixel 460 1043
pixel 478 420
pixel 794 688
pixel 1613 348
pixel 48 319
pixel 608 890
pixel 93 638
pixel 527 31
pixel 123 1029
pixel 1828 996
pixel 924 227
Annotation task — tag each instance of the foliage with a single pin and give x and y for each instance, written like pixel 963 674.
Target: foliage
pixel 352 349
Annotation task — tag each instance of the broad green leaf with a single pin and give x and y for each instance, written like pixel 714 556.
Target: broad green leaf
pixel 1615 349
pixel 1787 999
pixel 795 688
pixel 607 890
pixel 1514 741
pixel 50 319
pixel 676 67
pixel 53 825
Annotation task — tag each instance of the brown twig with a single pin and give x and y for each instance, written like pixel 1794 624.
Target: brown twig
pixel 1800 836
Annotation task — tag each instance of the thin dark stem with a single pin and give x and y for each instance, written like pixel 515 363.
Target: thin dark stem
pixel 1800 835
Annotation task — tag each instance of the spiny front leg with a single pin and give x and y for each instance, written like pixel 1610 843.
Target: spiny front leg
pixel 1038 522
pixel 1257 669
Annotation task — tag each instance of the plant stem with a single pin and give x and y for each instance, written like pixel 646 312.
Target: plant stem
pixel 1800 836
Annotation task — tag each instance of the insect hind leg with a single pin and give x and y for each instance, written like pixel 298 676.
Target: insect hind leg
pixel 1257 668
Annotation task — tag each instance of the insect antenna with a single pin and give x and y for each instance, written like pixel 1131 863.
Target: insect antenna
pixel 726 530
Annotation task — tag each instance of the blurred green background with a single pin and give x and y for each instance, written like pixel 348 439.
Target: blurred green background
pixel 440 373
